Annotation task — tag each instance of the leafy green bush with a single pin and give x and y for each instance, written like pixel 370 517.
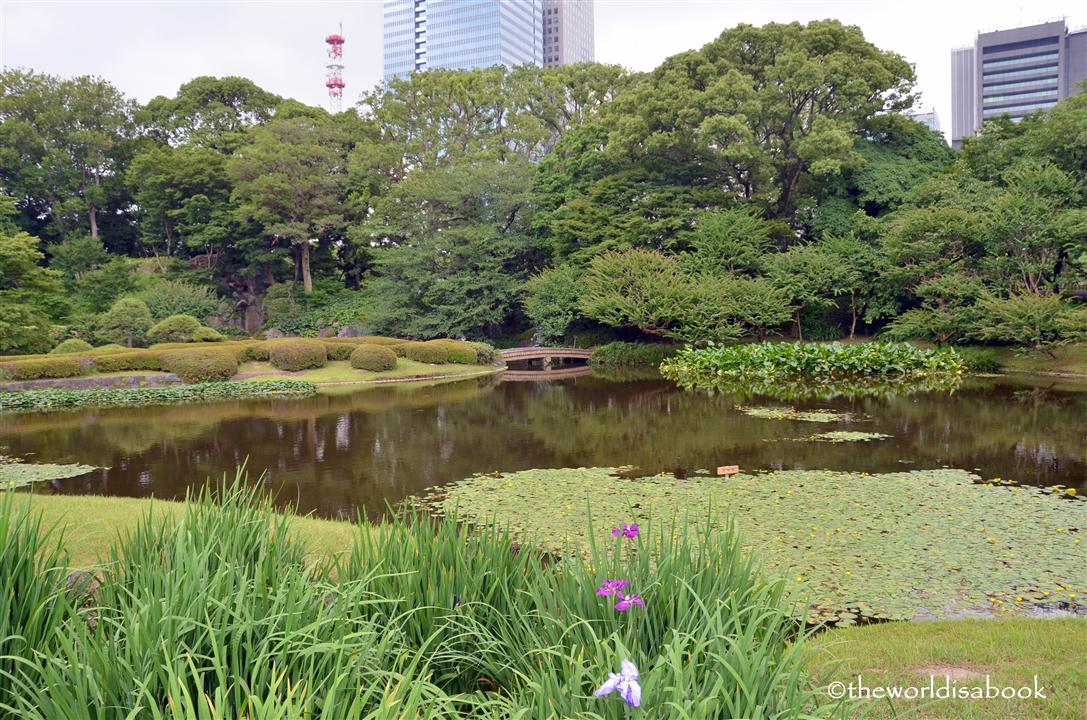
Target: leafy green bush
pixel 46 368
pixel 693 366
pixel 426 352
pixel 129 361
pixel 126 323
pixel 71 345
pixel 178 297
pixel 201 365
pixel 24 329
pixel 206 334
pixel 458 351
pixel 979 359
pixel 297 354
pixel 375 358
pixel 109 348
pixel 625 354
pixel 340 350
pixel 176 328
pixel 486 354
pixel 50 399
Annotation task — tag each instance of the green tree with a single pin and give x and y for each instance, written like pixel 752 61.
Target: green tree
pixel 551 301
pixel 209 112
pixel 810 277
pixel 1041 321
pixel 126 323
pixel 290 178
pixel 729 242
pixel 947 312
pixel 30 296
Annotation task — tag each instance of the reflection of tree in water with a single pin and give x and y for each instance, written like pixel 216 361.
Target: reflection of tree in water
pixel 332 453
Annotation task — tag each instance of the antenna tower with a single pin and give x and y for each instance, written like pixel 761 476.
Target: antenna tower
pixel 334 78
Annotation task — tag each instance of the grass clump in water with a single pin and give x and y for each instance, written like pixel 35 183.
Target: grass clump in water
pixel 214 612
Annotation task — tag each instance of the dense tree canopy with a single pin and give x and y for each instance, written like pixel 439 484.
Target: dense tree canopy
pixel 765 183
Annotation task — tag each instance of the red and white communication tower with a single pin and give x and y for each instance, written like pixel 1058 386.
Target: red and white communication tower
pixel 334 79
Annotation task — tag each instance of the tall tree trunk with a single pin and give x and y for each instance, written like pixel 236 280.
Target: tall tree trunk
pixel 853 312
pixel 799 330
pixel 307 279
pixel 93 213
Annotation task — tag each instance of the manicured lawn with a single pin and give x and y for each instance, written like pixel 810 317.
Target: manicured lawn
pixel 1010 651
pixel 90 523
pixel 340 371
pixel 1067 359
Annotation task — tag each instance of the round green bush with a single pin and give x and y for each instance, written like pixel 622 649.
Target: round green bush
pixel 206 334
pixel 200 365
pixel 176 328
pixel 375 358
pixel 426 352
pixel 297 354
pixel 459 352
pixel 71 345
pixel 485 353
pixel 339 350
pixel 128 361
pixel 45 368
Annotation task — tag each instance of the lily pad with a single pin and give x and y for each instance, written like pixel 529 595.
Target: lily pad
pixel 788 413
pixel 880 546
pixel 837 436
pixel 17 474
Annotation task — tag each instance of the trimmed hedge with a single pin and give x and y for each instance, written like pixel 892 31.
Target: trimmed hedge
pixel 201 365
pixel 297 354
pixel 459 352
pixel 132 360
pixel 425 352
pixel 485 354
pixel 340 350
pixel 375 358
pixel 53 399
pixel 46 368
pixel 176 328
pixel 71 345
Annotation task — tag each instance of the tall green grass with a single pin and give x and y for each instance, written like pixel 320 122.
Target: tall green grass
pixel 217 614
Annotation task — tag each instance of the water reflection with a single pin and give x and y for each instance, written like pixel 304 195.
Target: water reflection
pixel 333 453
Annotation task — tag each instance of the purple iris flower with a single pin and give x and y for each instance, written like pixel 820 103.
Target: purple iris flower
pixel 627 601
pixel 625 682
pixel 611 587
pixel 628 531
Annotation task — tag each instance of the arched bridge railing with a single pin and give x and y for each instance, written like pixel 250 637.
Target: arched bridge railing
pixel 544 353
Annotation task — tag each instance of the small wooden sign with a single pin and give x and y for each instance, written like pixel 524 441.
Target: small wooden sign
pixel 728 469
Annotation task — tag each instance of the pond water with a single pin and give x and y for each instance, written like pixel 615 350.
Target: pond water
pixel 331 454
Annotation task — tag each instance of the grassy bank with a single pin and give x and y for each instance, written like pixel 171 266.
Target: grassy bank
pixel 340 371
pixel 212 611
pixel 1011 651
pixel 1068 359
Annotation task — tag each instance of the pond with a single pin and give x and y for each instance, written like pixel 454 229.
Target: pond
pixel 333 453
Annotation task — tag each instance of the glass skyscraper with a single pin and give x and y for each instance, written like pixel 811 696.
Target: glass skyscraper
pixel 1015 73
pixel 422 34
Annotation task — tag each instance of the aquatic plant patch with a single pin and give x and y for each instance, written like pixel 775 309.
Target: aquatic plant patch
pixel 702 367
pixel 44 400
pixel 825 388
pixel 890 545
pixel 19 474
pixel 837 436
pixel 788 413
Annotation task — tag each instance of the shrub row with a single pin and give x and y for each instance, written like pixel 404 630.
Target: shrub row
pixel 290 354
pixel 627 354
pixel 816 360
pixel 52 399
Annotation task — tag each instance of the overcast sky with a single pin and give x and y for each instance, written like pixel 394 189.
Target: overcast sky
pixel 150 47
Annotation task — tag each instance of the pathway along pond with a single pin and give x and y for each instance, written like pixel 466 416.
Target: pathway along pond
pixel 333 453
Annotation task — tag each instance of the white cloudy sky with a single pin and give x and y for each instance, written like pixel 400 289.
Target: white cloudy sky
pixel 150 47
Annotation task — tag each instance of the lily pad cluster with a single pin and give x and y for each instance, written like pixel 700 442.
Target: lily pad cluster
pixel 19 474
pixel 789 413
pixel 867 546
pixel 838 436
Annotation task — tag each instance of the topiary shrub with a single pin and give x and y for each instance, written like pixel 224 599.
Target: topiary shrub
pixel 456 351
pixel 128 361
pixel 176 328
pixel 340 350
pixel 206 334
pixel 381 340
pixel 297 354
pixel 426 352
pixel 109 348
pixel 71 345
pixel 485 353
pixel 401 348
pixel 125 323
pixel 375 358
pixel 199 365
pixel 45 368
